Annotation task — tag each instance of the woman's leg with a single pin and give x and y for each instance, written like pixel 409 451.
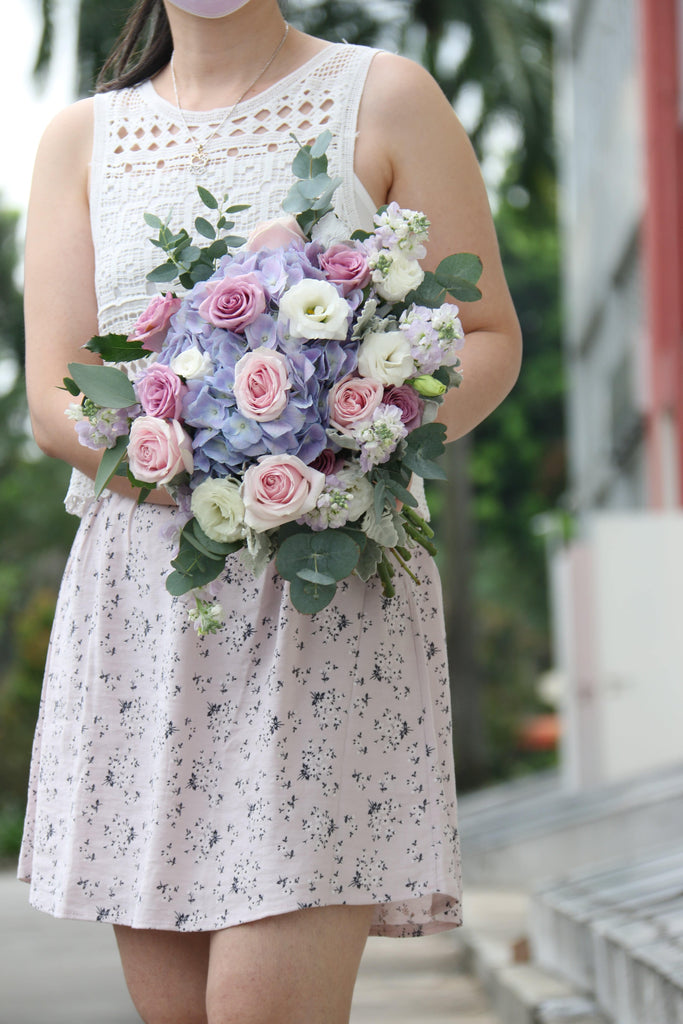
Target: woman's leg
pixel 166 973
pixel 297 968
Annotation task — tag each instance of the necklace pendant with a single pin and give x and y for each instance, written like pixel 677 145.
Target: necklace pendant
pixel 199 158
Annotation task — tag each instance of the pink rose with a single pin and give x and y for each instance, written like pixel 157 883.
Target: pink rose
pixel 261 384
pixel 408 401
pixel 160 392
pixel 353 399
pixel 151 326
pixel 233 302
pixel 279 489
pixel 346 267
pixel 158 450
pixel 275 234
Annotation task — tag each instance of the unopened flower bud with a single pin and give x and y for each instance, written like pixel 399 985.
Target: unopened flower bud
pixel 428 386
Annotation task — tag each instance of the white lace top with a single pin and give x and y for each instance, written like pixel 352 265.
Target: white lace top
pixel 141 162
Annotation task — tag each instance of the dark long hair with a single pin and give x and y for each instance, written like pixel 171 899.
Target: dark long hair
pixel 143 48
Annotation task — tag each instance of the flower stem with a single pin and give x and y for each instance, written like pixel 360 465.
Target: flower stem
pixel 401 561
pixel 385 572
pixel 413 532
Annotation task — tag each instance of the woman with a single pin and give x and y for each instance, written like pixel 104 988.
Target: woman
pixel 245 808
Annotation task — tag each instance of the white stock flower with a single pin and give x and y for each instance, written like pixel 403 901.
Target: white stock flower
pixel 385 357
pixel 330 230
pixel 315 309
pixel 396 274
pixel 219 510
pixel 358 488
pixel 192 364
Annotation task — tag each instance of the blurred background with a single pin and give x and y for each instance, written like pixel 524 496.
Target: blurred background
pixel 562 543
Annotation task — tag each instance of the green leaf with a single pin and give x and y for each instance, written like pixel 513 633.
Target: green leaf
pixel 314 187
pixel 294 201
pixel 218 249
pixel 234 241
pixel 205 228
pixel 329 552
pixel 193 569
pixel 71 386
pixel 190 254
pixel 215 548
pixel 153 221
pixel 430 293
pixel 462 266
pixel 103 385
pixel 301 164
pixel 321 143
pixel 115 348
pixel 360 235
pixel 109 463
pixel 164 272
pixel 402 493
pixel 207 198
pixel 310 598
pixel 238 208
pixel 200 272
pixel 423 445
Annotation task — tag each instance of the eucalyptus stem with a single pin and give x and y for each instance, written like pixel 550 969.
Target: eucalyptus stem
pixel 401 561
pixel 417 520
pixel 385 572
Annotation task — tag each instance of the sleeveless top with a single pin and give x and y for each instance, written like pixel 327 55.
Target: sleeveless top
pixel 141 163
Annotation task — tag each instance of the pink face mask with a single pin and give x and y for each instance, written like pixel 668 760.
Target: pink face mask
pixel 209 8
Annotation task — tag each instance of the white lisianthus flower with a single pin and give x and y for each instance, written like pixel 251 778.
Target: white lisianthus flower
pixel 192 364
pixel 330 230
pixel 395 274
pixel 385 357
pixel 358 488
pixel 219 510
pixel 315 309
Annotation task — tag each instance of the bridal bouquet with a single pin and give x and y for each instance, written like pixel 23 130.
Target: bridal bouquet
pixel 289 394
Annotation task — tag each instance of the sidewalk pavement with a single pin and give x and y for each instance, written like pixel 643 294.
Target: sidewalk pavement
pixel 67 972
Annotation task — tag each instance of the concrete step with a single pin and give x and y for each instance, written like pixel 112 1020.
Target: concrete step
pixel 617 930
pixel 527 832
pixel 496 936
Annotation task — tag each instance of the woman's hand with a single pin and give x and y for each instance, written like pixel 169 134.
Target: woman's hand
pixel 412 149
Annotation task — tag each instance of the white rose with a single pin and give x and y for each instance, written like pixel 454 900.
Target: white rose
pixel 219 510
pixel 359 489
pixel 330 230
pixel 192 364
pixel 403 275
pixel 385 357
pixel 315 309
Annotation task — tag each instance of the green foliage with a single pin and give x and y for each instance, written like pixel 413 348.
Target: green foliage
pixel 310 198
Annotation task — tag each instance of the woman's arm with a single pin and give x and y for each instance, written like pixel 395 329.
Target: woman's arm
pixel 412 149
pixel 60 307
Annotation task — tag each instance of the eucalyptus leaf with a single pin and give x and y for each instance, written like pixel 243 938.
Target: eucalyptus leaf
pixel 214 547
pixel 164 272
pixel 190 254
pixel 301 164
pixel 200 272
pixel 103 385
pixel 310 598
pixel 205 228
pixel 234 241
pixel 238 208
pixel 207 198
pixel 71 386
pixel 153 221
pixel 294 202
pixel 331 552
pixel 462 266
pixel 109 463
pixel 430 293
pixel 423 445
pixel 321 143
pixel 218 249
pixel 311 576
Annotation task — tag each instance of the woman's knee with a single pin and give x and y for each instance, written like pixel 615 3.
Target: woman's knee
pixel 295 968
pixel 166 974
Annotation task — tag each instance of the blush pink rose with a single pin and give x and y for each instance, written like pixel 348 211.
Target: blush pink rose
pixel 261 384
pixel 346 267
pixel 233 302
pixel 275 234
pixel 160 392
pixel 151 326
pixel 353 399
pixel 408 401
pixel 158 450
pixel 279 489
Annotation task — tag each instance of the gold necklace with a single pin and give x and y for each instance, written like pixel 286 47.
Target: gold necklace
pixel 200 158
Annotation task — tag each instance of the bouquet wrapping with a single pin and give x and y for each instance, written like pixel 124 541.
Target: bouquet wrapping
pixel 290 391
